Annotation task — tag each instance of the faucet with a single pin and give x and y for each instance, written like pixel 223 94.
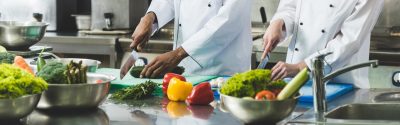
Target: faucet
pixel 319 80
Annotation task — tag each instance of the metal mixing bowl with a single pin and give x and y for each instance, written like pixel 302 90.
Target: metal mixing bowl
pixel 69 96
pixel 21 35
pixel 252 111
pixel 19 107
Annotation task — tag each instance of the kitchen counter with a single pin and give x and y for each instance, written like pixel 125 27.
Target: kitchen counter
pixel 159 111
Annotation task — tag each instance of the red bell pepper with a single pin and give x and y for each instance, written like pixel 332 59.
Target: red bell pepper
pixel 201 111
pixel 167 78
pixel 201 95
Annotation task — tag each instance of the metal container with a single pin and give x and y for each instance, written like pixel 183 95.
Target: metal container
pixel 258 111
pixel 83 22
pixel 72 96
pixel 19 107
pixel 21 35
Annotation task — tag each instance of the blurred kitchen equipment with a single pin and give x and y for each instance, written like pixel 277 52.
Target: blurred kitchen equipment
pixel 90 63
pixel 38 17
pixel 108 19
pixel 55 12
pixel 258 111
pixel 19 107
pixel 126 13
pixel 77 96
pixel 264 22
pixel 21 35
pixel 83 22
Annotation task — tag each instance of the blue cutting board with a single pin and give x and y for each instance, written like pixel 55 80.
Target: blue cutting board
pixel 333 91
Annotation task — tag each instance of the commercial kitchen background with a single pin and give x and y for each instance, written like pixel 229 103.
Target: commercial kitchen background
pixel 112 47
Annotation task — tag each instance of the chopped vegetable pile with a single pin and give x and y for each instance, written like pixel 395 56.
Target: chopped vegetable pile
pixel 15 82
pixel 136 92
pixel 58 73
pixel 249 83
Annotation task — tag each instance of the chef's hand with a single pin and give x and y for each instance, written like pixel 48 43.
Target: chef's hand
pixel 282 70
pixel 164 63
pixel 142 32
pixel 272 36
pixel 128 64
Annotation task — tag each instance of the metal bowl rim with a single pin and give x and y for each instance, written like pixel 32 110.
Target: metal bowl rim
pixel 23 97
pixel 86 84
pixel 37 24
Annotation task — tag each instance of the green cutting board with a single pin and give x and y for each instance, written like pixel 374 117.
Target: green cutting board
pixel 128 80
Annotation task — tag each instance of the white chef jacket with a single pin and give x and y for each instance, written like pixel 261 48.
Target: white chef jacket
pixel 339 26
pixel 215 33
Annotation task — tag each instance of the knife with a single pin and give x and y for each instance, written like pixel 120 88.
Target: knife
pixel 263 62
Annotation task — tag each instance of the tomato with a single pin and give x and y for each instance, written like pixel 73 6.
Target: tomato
pixel 265 95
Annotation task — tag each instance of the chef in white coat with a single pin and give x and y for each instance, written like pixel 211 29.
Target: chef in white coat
pixel 320 26
pixel 211 37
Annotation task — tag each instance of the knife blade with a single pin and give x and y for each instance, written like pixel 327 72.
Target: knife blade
pixel 263 62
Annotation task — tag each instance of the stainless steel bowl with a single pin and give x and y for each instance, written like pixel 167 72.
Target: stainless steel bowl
pixel 252 111
pixel 69 96
pixel 21 35
pixel 19 107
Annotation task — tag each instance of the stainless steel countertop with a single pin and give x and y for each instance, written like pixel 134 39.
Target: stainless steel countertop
pixel 159 111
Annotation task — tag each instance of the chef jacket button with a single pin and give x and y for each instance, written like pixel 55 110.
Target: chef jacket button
pixel 323 31
pixel 301 23
pixel 331 5
pixel 209 5
pixel 296 49
pixel 180 24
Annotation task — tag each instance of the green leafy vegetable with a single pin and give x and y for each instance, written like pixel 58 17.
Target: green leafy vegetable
pixel 15 82
pixel 247 84
pixel 53 73
pixel 6 58
pixel 136 92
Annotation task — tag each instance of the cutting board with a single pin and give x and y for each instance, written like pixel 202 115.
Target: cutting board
pixel 333 91
pixel 129 80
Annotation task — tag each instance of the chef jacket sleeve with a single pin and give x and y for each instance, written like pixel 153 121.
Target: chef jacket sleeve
pixel 164 10
pixel 350 38
pixel 219 32
pixel 287 12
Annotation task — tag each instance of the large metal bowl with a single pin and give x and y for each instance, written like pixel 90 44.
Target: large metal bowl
pixel 21 35
pixel 256 111
pixel 17 108
pixel 70 96
pixel 68 117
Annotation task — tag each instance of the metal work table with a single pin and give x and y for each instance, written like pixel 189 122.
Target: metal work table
pixel 159 111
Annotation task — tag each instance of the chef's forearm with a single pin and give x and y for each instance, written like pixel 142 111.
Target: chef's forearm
pixel 181 53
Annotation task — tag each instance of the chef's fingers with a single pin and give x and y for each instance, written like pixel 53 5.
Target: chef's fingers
pixel 143 73
pixel 151 69
pixel 143 43
pixel 276 70
pixel 158 71
pixel 282 73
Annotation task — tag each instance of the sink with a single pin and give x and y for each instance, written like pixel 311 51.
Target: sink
pixel 390 97
pixel 371 111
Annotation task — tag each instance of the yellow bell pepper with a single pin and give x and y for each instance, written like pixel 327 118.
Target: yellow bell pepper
pixel 178 90
pixel 177 109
